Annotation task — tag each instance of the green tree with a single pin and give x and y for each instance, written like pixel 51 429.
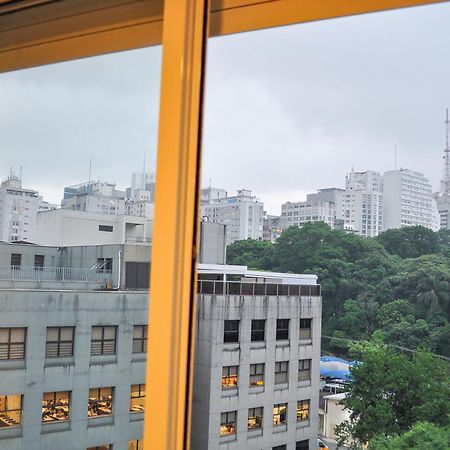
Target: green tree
pixel 252 253
pixel 391 391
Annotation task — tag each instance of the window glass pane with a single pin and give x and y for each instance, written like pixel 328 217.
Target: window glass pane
pixel 110 332
pixel 17 334
pixel 52 334
pixel 4 335
pixel 66 333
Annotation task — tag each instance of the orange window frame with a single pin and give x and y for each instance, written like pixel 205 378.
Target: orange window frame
pixel 37 32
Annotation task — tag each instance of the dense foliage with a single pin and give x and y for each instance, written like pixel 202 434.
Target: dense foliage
pixel 391 393
pixel 397 283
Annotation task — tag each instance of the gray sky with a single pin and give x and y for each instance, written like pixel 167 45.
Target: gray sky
pixel 288 110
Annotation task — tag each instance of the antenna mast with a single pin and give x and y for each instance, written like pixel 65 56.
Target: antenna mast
pixel 445 182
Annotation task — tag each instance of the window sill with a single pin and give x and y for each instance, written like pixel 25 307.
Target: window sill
pixel 283 343
pixel 304 342
pixel 304 383
pixel 12 364
pixel 100 421
pixel 281 386
pixel 103 359
pixel 303 424
pixel 279 428
pixel 228 438
pixel 137 357
pixel 54 427
pixel 136 416
pixel 230 392
pixel 254 433
pixel 59 361
pixel 227 346
pixel 256 389
pixel 257 344
pixel 10 432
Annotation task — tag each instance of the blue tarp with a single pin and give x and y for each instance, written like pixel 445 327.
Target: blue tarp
pixel 340 374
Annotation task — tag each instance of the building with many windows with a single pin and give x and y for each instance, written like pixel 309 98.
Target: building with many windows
pixel 299 213
pixel 242 214
pixel 256 378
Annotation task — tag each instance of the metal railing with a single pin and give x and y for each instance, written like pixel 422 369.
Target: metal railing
pixel 244 288
pixel 55 274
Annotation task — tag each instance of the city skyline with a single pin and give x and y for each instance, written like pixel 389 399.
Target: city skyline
pixel 302 123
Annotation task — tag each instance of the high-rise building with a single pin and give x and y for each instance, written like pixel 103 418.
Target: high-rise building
pixel 18 210
pixel 94 196
pixel 299 213
pixel 242 214
pixel 407 198
pixel 257 361
pixel 359 208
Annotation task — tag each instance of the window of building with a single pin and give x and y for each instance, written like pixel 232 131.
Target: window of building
pixel 256 374
pixel 302 445
pixel 16 260
pixel 104 265
pixel 136 445
pixel 282 329
pixel 228 423
pixel 107 228
pixel 231 331
pixel 304 369
pixel 137 398
pixel 39 262
pixel 100 402
pixel 281 372
pixel 59 342
pixel 10 410
pixel 279 414
pixel 302 410
pixel 55 406
pixel 305 329
pixel 140 339
pixel 12 343
pixel 255 418
pixel 258 330
pixel 229 377
pixel 103 341
pixel 280 447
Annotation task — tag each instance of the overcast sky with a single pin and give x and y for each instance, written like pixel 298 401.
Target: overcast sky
pixel 288 110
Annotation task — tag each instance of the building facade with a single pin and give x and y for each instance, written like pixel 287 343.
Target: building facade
pixel 407 199
pixel 242 214
pixel 299 213
pixel 256 378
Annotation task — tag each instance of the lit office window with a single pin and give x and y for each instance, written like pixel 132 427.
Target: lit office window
pixel 228 423
pixel 10 410
pixel 281 372
pixel 59 342
pixel 304 370
pixel 231 331
pixel 282 329
pixel 140 339
pixel 258 330
pixel 256 375
pixel 103 341
pixel 305 329
pixel 136 445
pixel 12 343
pixel 137 398
pixel 229 377
pixel 279 414
pixel 55 406
pixel 302 410
pixel 255 418
pixel 100 402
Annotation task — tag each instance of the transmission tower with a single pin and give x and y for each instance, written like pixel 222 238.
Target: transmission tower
pixel 445 181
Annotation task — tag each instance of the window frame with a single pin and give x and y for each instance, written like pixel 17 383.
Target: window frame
pixel 252 414
pixel 59 341
pixel 231 336
pixel 6 410
pixel 305 332
pixel 11 343
pixel 229 375
pixel 97 398
pixel 281 332
pixel 55 395
pixel 228 423
pixel 141 342
pixel 141 390
pixel 257 374
pixel 302 369
pixel 277 411
pixel 104 340
pixel 255 333
pixel 301 410
pixel 281 368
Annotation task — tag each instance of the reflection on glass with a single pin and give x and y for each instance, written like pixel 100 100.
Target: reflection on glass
pixel 302 410
pixel 257 374
pixel 100 402
pixel 229 377
pixel 137 398
pixel 55 406
pixel 255 417
pixel 136 445
pixel 10 410
pixel 279 414
pixel 228 423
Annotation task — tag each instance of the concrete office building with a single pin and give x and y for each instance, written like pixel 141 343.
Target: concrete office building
pixel 407 199
pixel 140 197
pixel 359 208
pixel 242 214
pixel 18 210
pixel 209 194
pixel 94 196
pixel 256 378
pixel 299 213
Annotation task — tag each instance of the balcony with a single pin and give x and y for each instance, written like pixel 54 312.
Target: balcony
pixel 252 289
pixel 54 278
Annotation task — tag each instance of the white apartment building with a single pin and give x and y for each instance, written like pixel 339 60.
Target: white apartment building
pixel 407 199
pixel 94 196
pixel 18 211
pixel 299 213
pixel 256 375
pixel 359 207
pixel 242 214
pixel 207 195
pixel 140 197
